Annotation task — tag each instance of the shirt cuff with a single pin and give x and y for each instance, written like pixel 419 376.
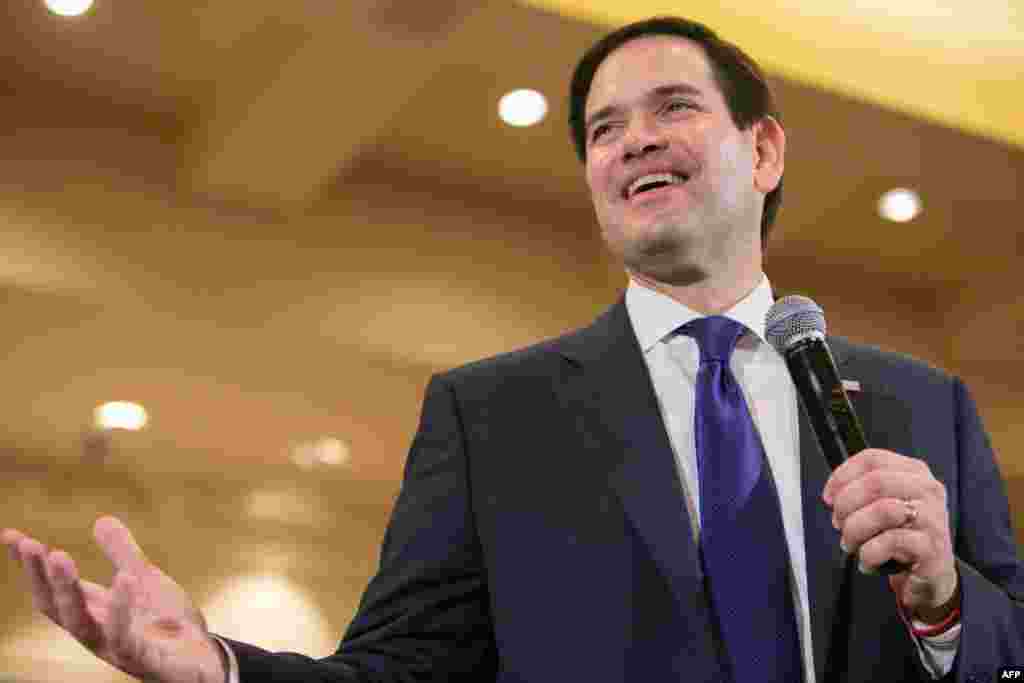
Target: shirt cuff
pixel 229 656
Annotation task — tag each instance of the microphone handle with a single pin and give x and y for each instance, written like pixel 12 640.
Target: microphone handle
pixel 832 416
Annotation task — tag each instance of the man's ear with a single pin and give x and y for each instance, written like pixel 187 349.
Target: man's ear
pixel 769 153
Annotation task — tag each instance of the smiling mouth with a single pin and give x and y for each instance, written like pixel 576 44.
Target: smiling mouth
pixel 653 181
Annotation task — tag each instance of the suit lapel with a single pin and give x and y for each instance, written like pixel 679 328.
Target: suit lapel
pixel 610 388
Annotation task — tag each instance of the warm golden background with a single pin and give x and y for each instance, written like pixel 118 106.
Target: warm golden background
pixel 270 222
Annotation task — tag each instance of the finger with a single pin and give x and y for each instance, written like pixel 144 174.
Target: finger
pixel 10 538
pixel 908 546
pixel 100 615
pixel 94 592
pixel 97 603
pixel 871 520
pixel 31 554
pixel 864 462
pixel 70 600
pixel 122 603
pixel 878 484
pixel 119 545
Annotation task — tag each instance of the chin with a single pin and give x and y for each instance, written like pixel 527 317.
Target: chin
pixel 671 261
pixel 678 274
pixel 659 242
pixel 662 244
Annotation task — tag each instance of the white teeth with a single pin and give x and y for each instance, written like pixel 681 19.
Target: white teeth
pixel 670 178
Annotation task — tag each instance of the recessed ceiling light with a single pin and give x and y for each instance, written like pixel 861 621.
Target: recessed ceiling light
pixel 899 205
pixel 69 8
pixel 522 107
pixel 121 415
pixel 325 451
pixel 332 451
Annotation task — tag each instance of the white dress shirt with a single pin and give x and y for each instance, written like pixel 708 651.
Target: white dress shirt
pixel 673 360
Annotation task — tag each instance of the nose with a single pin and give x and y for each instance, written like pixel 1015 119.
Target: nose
pixel 641 138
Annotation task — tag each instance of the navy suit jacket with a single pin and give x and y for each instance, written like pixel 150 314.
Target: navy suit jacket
pixel 541 533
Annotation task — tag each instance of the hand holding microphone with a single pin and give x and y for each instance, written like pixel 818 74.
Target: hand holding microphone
pixel 890 509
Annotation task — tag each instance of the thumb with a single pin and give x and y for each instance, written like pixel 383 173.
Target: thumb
pixel 896 583
pixel 118 544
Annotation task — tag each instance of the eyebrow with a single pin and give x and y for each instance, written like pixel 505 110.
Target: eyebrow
pixel 659 92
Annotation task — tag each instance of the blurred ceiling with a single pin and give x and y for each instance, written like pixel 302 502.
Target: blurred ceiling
pixel 269 222
pixel 956 62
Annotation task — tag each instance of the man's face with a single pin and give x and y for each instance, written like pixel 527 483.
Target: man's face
pixel 672 179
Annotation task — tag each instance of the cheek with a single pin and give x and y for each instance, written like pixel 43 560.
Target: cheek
pixel 593 185
pixel 598 181
pixel 735 159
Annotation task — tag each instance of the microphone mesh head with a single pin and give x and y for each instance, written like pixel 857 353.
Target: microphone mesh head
pixel 791 317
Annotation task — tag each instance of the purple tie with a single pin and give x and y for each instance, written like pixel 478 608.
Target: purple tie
pixel 742 542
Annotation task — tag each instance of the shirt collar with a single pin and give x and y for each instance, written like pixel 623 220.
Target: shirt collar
pixel 655 315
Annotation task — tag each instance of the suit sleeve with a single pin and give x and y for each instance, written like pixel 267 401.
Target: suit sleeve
pixel 991 572
pixel 425 614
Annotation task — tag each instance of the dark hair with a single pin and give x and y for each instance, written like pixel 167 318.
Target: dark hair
pixel 737 75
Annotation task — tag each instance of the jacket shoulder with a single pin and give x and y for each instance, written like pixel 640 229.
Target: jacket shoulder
pixel 886 368
pixel 535 359
pixel 549 357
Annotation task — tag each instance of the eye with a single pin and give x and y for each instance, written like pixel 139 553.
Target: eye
pixel 673 106
pixel 598 131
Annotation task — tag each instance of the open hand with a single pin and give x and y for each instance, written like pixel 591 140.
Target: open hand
pixel 143 624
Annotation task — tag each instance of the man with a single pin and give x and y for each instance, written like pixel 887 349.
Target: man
pixel 554 520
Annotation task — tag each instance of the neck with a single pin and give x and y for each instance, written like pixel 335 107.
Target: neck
pixel 708 296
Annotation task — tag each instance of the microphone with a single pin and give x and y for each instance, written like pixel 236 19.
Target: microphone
pixel 795 326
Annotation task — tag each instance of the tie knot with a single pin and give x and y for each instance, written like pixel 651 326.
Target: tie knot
pixel 716 336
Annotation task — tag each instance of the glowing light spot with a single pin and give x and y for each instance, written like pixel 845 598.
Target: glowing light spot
pixel 522 108
pixel 69 8
pixel 899 205
pixel 272 611
pixel 121 415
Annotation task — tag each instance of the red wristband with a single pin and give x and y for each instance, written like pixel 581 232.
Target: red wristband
pixel 936 629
